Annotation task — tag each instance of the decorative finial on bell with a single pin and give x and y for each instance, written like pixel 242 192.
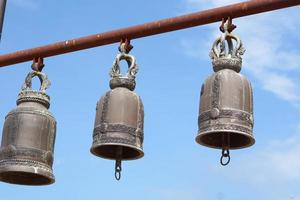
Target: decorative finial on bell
pixel 226 102
pixel 230 58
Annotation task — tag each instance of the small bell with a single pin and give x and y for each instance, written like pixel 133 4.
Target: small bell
pixel 26 153
pixel 226 102
pixel 118 131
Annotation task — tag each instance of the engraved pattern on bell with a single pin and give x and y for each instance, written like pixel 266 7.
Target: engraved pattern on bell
pixel 26 153
pixel 214 113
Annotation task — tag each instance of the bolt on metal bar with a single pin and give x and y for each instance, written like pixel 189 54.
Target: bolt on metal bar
pixel 148 29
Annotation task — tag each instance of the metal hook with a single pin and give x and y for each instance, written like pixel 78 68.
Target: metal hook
pixel 225 154
pixel 227 25
pixel 125 46
pixel 37 64
pixel 118 169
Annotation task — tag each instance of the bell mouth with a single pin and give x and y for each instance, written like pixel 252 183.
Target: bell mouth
pixel 109 151
pixel 25 178
pixel 25 172
pixel 215 140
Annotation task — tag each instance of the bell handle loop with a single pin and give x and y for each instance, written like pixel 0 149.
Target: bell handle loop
pixel 225 155
pixel 132 66
pixel 45 82
pixel 233 51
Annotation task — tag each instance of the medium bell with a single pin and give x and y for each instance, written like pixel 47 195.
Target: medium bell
pixel 26 153
pixel 118 131
pixel 226 104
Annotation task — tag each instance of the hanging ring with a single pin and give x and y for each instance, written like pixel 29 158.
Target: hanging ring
pixel 118 169
pixel 225 154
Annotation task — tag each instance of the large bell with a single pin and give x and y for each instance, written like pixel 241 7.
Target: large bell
pixel 26 153
pixel 226 104
pixel 118 131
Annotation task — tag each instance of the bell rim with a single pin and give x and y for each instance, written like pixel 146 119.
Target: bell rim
pixel 23 169
pixel 200 135
pixel 139 150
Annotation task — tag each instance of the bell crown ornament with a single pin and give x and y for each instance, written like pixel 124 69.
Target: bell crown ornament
pixel 227 56
pixel 26 153
pixel 27 94
pixel 118 131
pixel 225 118
pixel 117 79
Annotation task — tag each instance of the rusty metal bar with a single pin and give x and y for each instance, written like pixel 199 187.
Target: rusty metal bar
pixel 148 29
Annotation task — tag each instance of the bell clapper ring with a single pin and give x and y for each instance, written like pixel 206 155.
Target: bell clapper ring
pixel 118 169
pixel 118 166
pixel 225 155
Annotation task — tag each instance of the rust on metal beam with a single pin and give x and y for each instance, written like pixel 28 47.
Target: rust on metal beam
pixel 148 29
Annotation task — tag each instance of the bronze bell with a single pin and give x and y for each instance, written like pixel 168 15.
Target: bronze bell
pixel 226 102
pixel 118 131
pixel 26 153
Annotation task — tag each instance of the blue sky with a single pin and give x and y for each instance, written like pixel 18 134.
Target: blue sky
pixel 172 68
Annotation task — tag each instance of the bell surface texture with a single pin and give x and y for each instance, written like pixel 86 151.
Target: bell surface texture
pixel 26 154
pixel 118 130
pixel 225 118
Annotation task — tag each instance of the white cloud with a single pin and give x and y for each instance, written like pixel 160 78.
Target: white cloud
pixel 278 162
pixel 281 85
pixel 272 47
pixel 27 4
